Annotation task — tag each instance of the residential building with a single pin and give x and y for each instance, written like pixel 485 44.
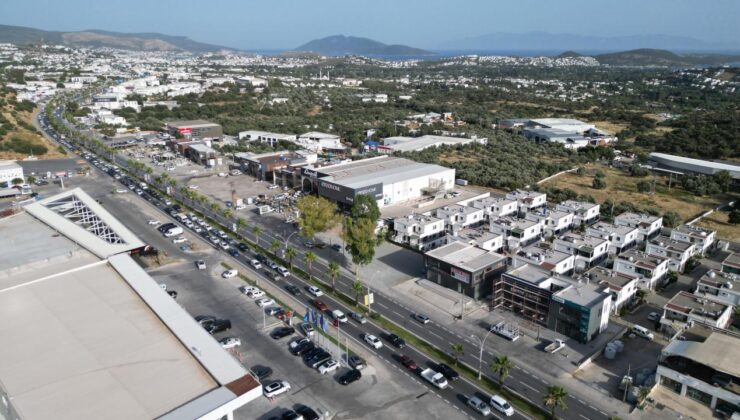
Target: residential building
pixel 554 222
pixel 195 129
pixel 495 206
pixel 457 217
pixel 622 287
pixel 620 238
pixel 649 269
pixel 685 308
pixel 700 237
pixel 420 232
pixel 516 233
pixel 96 336
pixel 700 365
pixel 464 268
pixel 731 264
pixel 527 200
pixel 578 310
pixel 588 250
pixel 720 286
pixel 542 255
pixel 677 252
pixel 10 170
pixel 584 213
pixel 647 225
pixel 478 238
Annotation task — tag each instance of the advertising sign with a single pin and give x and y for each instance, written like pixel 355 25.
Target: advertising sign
pixel 460 275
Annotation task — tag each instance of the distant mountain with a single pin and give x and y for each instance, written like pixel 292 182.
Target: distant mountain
pixel 338 45
pixel 95 38
pixel 543 41
pixel 653 57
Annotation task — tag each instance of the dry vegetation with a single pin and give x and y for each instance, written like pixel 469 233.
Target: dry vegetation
pixel 18 119
pixel 718 221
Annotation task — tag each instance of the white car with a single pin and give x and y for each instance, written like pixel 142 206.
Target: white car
pixel 224 245
pixel 229 274
pixel 307 329
pixel 315 291
pixel 248 289
pixel 373 341
pixel 276 388
pixel 197 229
pixel 230 342
pixel 200 265
pixel 254 294
pixel 193 187
pixel 121 190
pixel 501 405
pixel 265 302
pixel 329 366
pixel 283 271
pixel 179 240
pixel 153 222
pixel 255 264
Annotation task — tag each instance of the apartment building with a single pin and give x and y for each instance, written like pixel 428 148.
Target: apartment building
pixel 527 201
pixel 620 238
pixel 700 237
pixel 720 286
pixel 649 269
pixel 517 233
pixel 622 287
pixel 647 225
pixel 543 256
pixel 584 213
pixel 420 232
pixel 478 238
pixel 554 222
pixel 686 308
pixel 494 207
pixel 464 268
pixel 588 250
pixel 677 252
pixel 457 217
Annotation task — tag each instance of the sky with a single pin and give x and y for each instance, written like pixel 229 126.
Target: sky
pixel 285 24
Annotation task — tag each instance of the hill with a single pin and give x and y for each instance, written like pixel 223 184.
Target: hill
pixel 338 45
pixel 150 41
pixel 654 57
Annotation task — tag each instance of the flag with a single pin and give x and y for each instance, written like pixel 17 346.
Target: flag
pixel 321 322
pixel 314 317
pixel 305 317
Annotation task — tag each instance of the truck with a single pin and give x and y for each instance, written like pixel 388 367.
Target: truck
pixel 434 377
pixel 555 346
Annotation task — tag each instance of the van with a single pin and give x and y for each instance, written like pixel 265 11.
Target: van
pixel 177 230
pixel 339 316
pixel 643 332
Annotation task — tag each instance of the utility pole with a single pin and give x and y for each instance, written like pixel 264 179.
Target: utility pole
pixel 627 385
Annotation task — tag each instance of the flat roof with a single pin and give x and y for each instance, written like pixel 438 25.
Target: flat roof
pixel 734 170
pixel 732 260
pixel 467 257
pixel 584 294
pixel 642 259
pixel 531 274
pixel 706 351
pixel 385 170
pixel 690 304
pixel 191 124
pixel 613 279
pixel 9 164
pixel 721 279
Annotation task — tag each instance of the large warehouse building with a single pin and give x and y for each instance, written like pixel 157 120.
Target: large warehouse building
pixel 390 180
pixel 695 166
pixel 195 129
pixel 89 334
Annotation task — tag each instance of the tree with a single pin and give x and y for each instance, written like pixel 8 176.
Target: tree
pixel 599 183
pixel 309 258
pixel 256 230
pixel 501 365
pixel 734 217
pixel 642 394
pixel 17 181
pixel 274 246
pixel 31 179
pixel 365 206
pixel 228 212
pixel 457 351
pixel 723 179
pixel 215 207
pixel 316 214
pixel 240 223
pixel 290 253
pixel 359 235
pixel 333 271
pixel 671 219
pixel 359 289
pixel 643 186
pixel 555 398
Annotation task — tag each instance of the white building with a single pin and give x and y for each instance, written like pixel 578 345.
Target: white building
pixel 720 286
pixel 415 144
pixel 676 251
pixel 477 238
pixel 517 233
pixel 266 137
pixel 551 260
pixel 10 170
pixel 621 286
pixel 554 222
pixel 685 308
pixel 457 217
pixel 649 269
pixel 583 212
pixel 701 238
pixel 588 250
pixel 620 237
pixel 420 232
pixel 527 200
pixel 318 142
pixel 648 225
pixel 494 207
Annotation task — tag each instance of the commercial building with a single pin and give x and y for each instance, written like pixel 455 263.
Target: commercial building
pixel 390 180
pixel 10 170
pixel 677 252
pixel 720 286
pixel 93 335
pixel 195 129
pixel 649 269
pixel 700 366
pixel 266 137
pixel 320 142
pixel 622 287
pixel 415 144
pixel 584 213
pixel 464 268
pixel 589 251
pixel 202 154
pixel 277 167
pixel 693 166
pixel 577 310
pixel 700 237
pixel 647 225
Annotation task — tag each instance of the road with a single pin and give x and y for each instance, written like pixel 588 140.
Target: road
pixel 528 384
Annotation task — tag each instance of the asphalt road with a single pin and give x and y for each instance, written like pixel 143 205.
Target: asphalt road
pixel 528 384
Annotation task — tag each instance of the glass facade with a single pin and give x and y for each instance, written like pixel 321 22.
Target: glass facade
pixel 669 383
pixel 699 396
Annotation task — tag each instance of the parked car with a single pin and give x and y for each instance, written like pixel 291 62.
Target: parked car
pixel 229 273
pixel 327 367
pixel 248 289
pixel 153 222
pixel 261 372
pixel 264 302
pixel 356 362
pixel 336 247
pixel 230 342
pixel 349 377
pixel 307 413
pixel 298 342
pixel 282 332
pixel 276 388
pixel 275 311
pixel 254 294
pixel 307 329
pixel 200 265
pixel 179 240
pixel 373 341
pixel 408 362
pixel 219 325
pixel 653 316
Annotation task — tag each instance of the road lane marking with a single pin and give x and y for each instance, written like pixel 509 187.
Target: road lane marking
pixel 530 387
pixel 435 335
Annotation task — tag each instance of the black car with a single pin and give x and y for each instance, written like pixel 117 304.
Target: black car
pixel 176 207
pixel 243 247
pixel 217 326
pixel 233 252
pixel 172 293
pixel 303 348
pixel 311 353
pixel 323 355
pixel 262 372
pixel 351 376
pixel 290 415
pixel 282 332
pixel 396 341
pixel 165 227
pixel 261 258
pixel 294 290
pixel 308 413
pixel 448 372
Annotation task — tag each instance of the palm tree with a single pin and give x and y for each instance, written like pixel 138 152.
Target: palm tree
pixel 274 246
pixel 240 223
pixel 256 230
pixel 501 365
pixel 215 207
pixel 359 289
pixel 309 258
pixel 290 253
pixel 333 272
pixel 555 398
pixel 457 351
pixel 642 394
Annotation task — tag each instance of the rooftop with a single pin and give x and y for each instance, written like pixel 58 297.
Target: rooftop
pixel 733 169
pixel 613 279
pixel 543 256
pixel 191 124
pixel 732 260
pixel 700 343
pixel 386 170
pixel 636 219
pixel 465 256
pixel 719 279
pixel 690 304
pixel 671 244
pixel 584 294
pixel 642 259
pixel 694 231
pixel 531 274
pixel 8 164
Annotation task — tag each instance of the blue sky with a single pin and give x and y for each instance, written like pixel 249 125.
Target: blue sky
pixel 277 24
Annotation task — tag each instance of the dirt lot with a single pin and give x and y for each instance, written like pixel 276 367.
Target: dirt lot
pixel 718 221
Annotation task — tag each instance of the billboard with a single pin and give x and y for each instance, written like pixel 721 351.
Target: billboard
pixel 342 194
pixel 460 274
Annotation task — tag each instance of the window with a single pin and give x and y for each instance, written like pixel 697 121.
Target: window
pixel 671 384
pixel 699 396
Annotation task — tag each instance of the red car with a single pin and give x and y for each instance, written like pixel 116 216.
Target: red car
pixel 320 305
pixel 408 362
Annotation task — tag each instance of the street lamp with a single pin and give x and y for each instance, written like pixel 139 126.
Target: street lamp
pixel 285 248
pixel 480 356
